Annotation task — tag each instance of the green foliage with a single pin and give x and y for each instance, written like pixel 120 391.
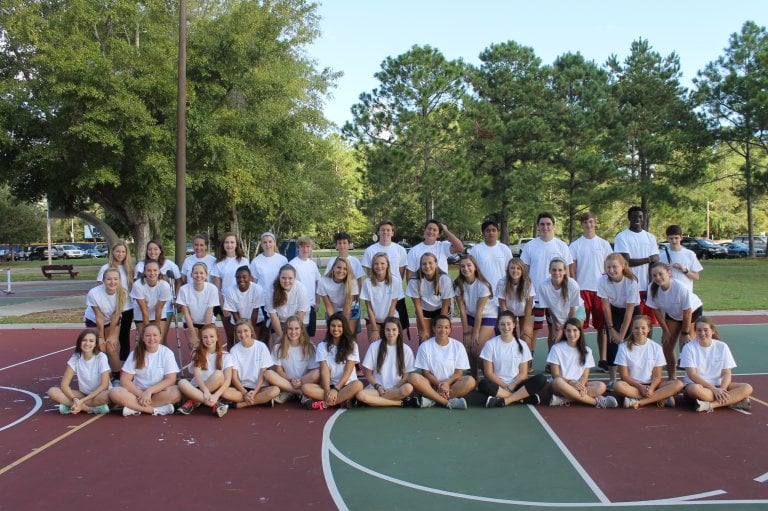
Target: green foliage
pixel 20 222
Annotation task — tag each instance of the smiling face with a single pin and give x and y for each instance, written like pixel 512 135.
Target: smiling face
pixel 244 334
pixel 546 229
pixel 119 253
pixel 385 234
pixel 88 344
pixel 428 265
pixel 572 335
pixel 391 332
pixel 243 279
pixel 380 267
pixel 340 270
pixel 230 246
pixel 636 220
pixel 431 233
pixel 640 330
pixel 209 339
pixel 200 247
pixel 442 330
pixel 111 281
pixel 467 269
pixel 704 333
pixel 660 275
pixel 199 273
pixel 268 245
pixel 287 278
pixel 514 272
pixel 557 271
pixel 336 329
pixel 506 326
pixel 153 251
pixel 151 273
pixel 491 235
pixel 293 332
pixel 614 270
pixel 151 338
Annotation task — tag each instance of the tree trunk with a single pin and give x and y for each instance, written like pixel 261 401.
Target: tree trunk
pixel 109 234
pixel 748 190
pixel 504 221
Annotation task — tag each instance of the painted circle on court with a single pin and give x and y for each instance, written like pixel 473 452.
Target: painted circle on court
pixel 13 401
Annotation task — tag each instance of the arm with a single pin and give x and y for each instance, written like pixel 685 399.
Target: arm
pixel 456 244
pixel 66 381
pixel 159 306
pixel 145 399
pixel 372 319
pixel 142 303
pixel 491 375
pixel 685 329
pixel 479 319
pixel 640 260
pixel 208 316
pixel 276 326
pixel 237 384
pixel 466 332
pixel 572 270
pixel 625 325
pixel 420 322
pixel 328 305
pixel 103 385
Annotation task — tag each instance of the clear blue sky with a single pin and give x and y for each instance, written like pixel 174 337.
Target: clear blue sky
pixel 357 35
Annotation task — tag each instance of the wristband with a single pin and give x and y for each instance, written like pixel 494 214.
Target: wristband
pixel 333 387
pixel 377 386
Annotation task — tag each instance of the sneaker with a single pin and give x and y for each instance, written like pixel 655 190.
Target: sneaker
pixel 610 385
pixel 426 402
pixel 745 404
pixel 603 365
pixel 532 400
pixel 163 410
pixel 315 405
pixel 606 402
pixel 101 409
pixel 703 406
pixel 494 402
pixel 556 400
pixel 187 407
pixel 304 400
pixel 669 402
pixel 631 402
pixel 64 410
pixel 283 397
pixel 411 402
pixel 457 403
pixel 221 408
pixel 127 412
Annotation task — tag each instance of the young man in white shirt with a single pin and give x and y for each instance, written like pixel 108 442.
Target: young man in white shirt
pixel 640 249
pixel 398 259
pixel 537 254
pixel 308 274
pixel 432 244
pixel 491 256
pixel 683 263
pixel 589 253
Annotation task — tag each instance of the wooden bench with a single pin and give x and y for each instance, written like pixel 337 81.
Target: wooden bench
pixel 49 270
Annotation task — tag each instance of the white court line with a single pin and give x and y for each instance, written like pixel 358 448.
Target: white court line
pixel 38 404
pixel 570 457
pixel 761 479
pixel 326 462
pixel 36 358
pixel 328 447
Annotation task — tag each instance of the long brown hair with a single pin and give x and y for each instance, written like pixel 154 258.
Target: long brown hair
pixel 346 344
pixel 522 290
pixel 140 352
pixel 581 345
pixel 200 355
pixel 381 355
pixel 280 295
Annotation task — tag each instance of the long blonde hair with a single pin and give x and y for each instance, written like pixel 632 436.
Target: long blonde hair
pixel 307 348
pixel 122 295
pixel 349 281
pixel 126 264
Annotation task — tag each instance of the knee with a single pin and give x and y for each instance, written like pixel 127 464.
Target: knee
pixel 487 387
pixel 406 389
pixel 535 383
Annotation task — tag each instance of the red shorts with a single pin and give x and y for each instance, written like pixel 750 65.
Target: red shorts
pixel 593 306
pixel 648 311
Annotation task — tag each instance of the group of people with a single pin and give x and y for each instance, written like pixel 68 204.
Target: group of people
pixel 502 300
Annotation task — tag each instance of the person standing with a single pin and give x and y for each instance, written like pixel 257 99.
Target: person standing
pixel 589 253
pixel 639 247
pixel 432 244
pixel 537 255
pixel 682 262
pixel 492 257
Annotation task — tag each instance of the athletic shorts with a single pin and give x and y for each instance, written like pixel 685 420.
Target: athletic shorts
pixel 539 313
pixel 484 322
pixel 593 306
pixel 644 309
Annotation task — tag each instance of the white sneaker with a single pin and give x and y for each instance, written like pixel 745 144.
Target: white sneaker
pixel 629 402
pixel 556 400
pixel 745 404
pixel 703 406
pixel 426 402
pixel 457 403
pixel 164 410
pixel 606 402
pixel 283 397
pixel 127 412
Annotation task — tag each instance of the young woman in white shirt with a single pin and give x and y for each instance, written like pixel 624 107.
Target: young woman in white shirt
pixel 150 296
pixel 211 374
pixel 431 290
pixel 105 305
pixel 120 259
pixel 197 301
pixel 295 361
pixel 477 309
pixel 515 292
pixel 380 294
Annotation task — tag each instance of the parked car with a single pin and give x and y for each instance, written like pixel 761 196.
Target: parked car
pixel 741 249
pixel 93 253
pixel 758 240
pixel 41 253
pixel 517 246
pixel 704 248
pixel 69 251
pixel 454 258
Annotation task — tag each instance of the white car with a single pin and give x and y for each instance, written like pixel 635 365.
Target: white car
pixel 69 251
pixel 517 246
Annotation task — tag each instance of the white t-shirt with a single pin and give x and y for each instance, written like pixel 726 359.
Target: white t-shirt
pixel 266 269
pixel 620 293
pixel 328 355
pixel 244 302
pixel 189 262
pixel 156 366
pixel 513 304
pixel 709 362
pixel 589 255
pixel 441 249
pixel 506 357
pixel 442 361
pixel 638 245
pixel 687 258
pixel 295 364
pixel 551 298
pixel 308 274
pixel 335 292
pixel 357 267
pixel 161 292
pixel 249 362
pixel 674 301
pixel 388 377
pixel 568 358
pixel 398 257
pixel 537 254
pixel 98 297
pixel 425 290
pixel 226 363
pixel 379 297
pixel 198 302
pixel 472 293
pixel 492 261
pixel 88 372
pixel 297 302
pixel 226 270
pixel 167 265
pixel 641 359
